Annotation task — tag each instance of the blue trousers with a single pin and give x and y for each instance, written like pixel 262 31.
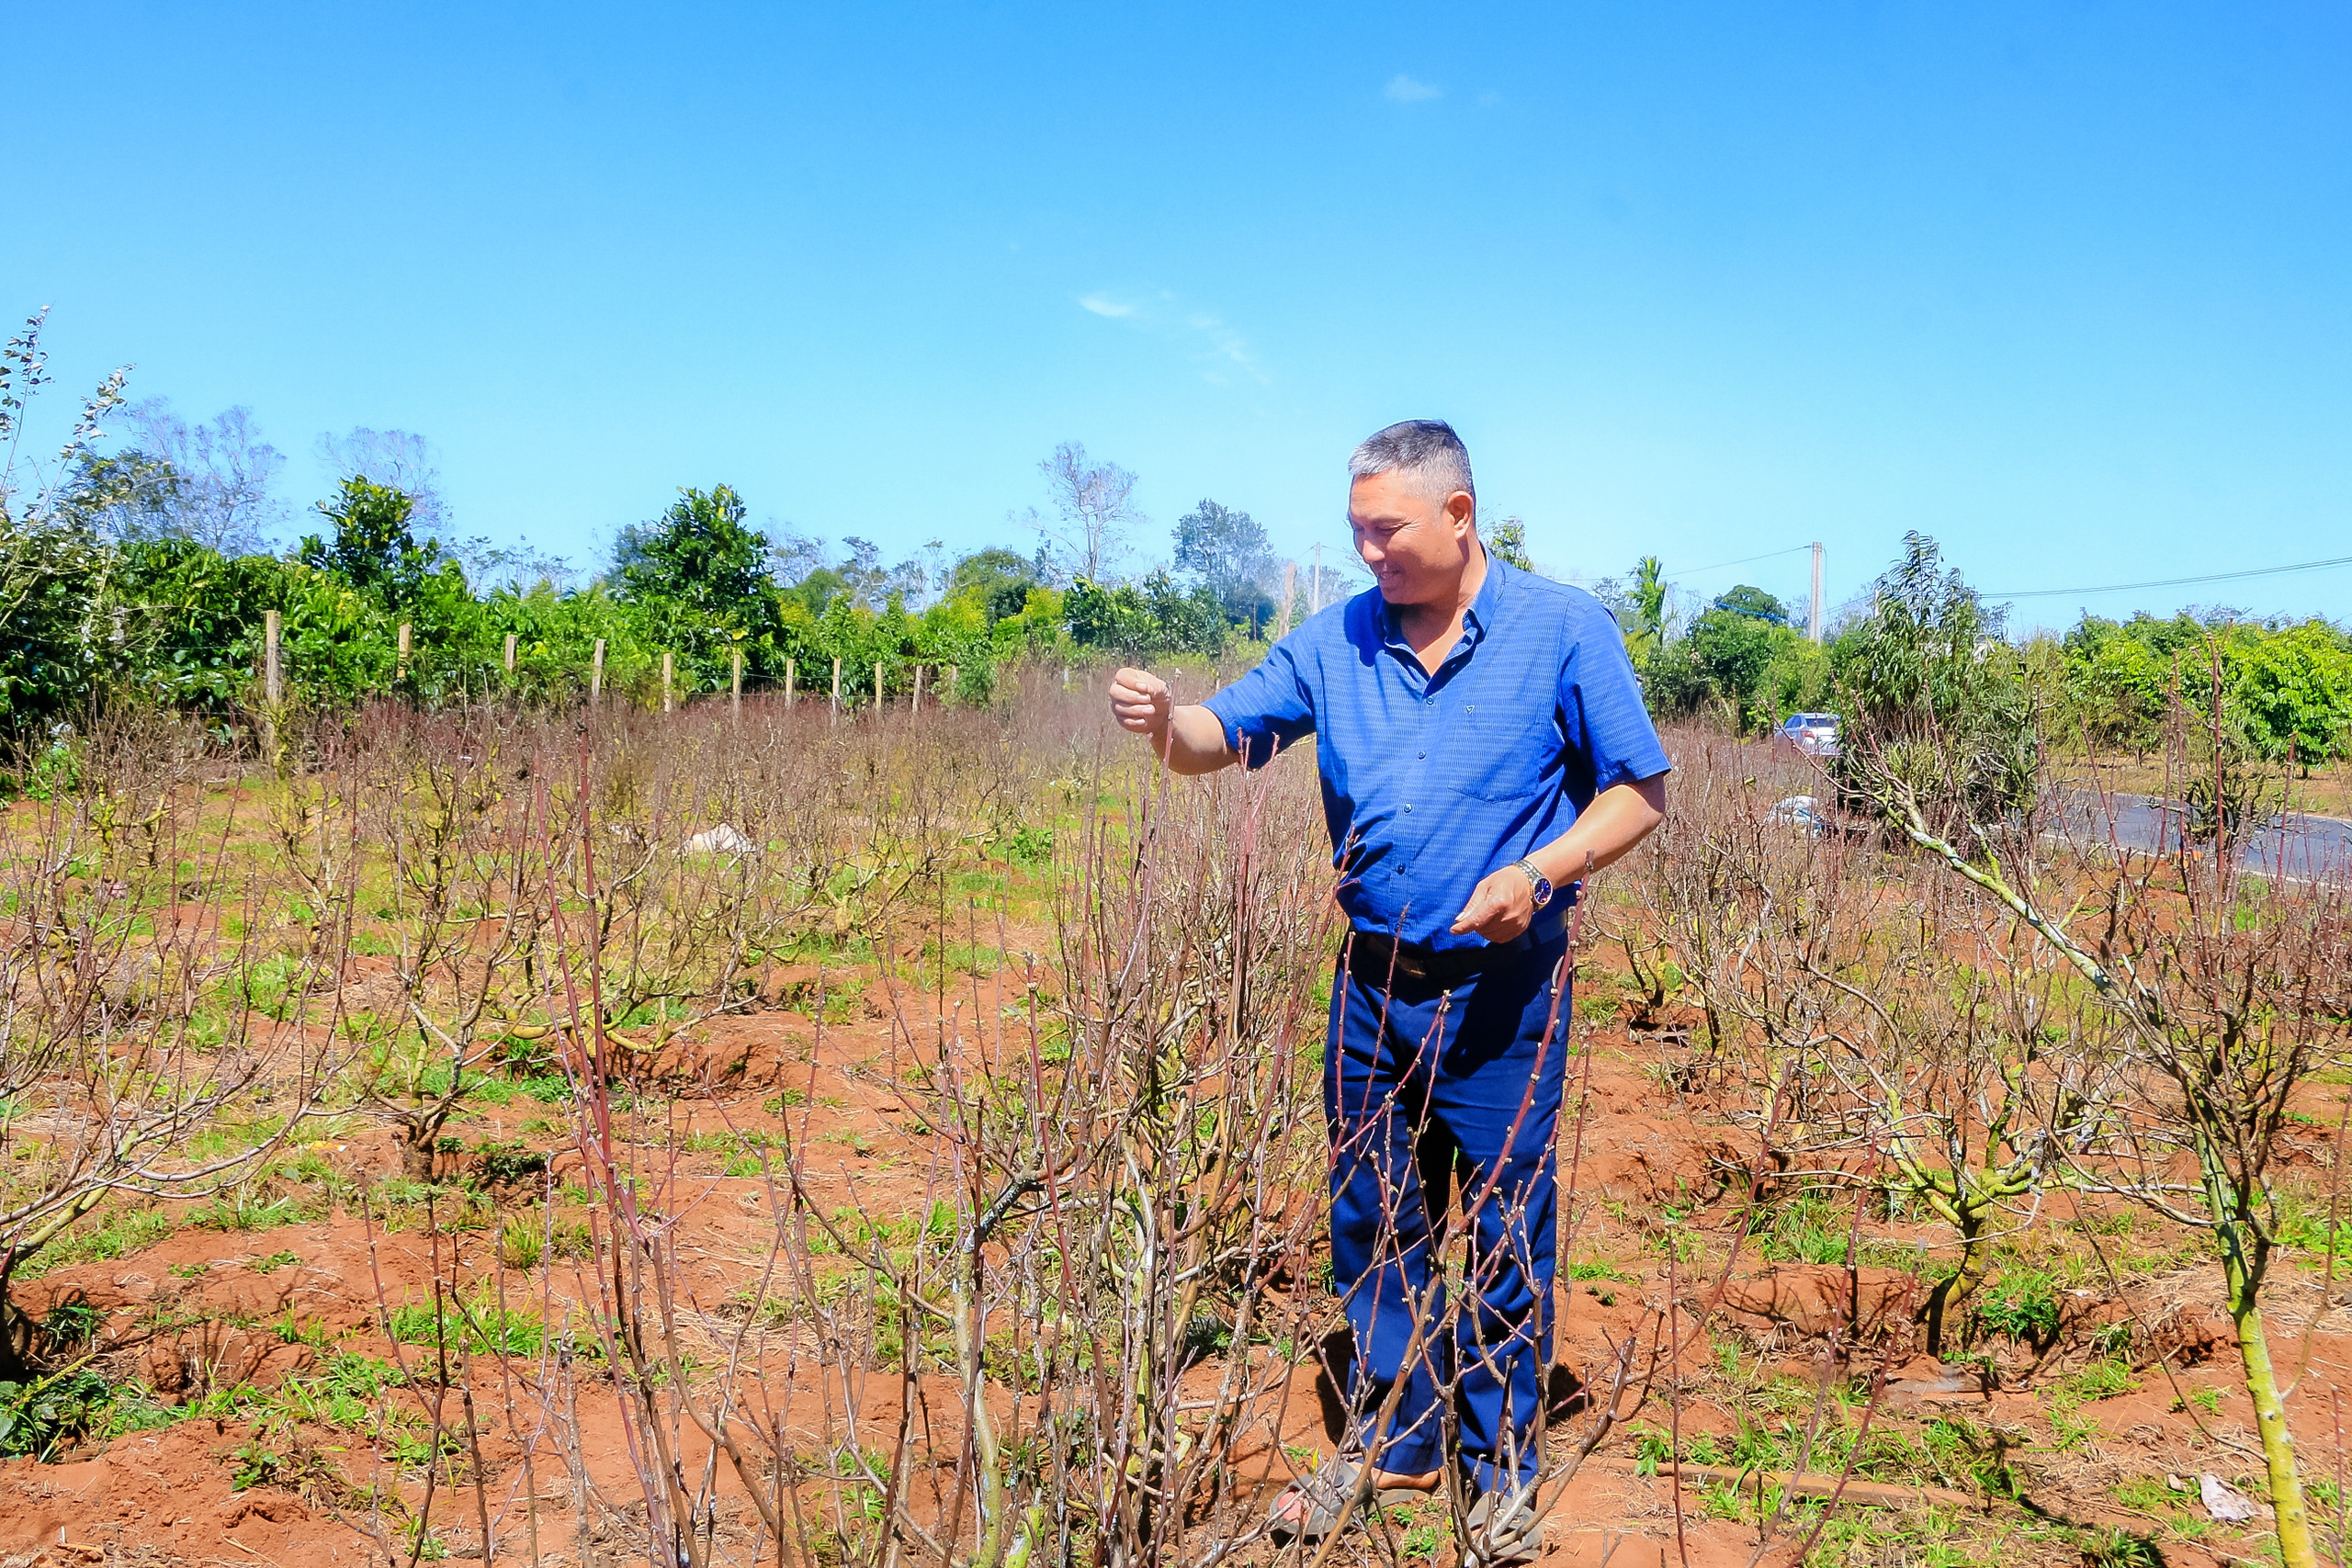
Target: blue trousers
pixel 1440 1106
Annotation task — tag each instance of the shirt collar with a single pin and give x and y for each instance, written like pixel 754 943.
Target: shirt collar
pixel 1479 618
pixel 1476 621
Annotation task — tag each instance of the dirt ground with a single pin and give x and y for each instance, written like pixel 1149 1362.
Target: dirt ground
pixel 2061 1454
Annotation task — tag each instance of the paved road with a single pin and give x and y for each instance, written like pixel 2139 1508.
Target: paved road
pixel 2293 845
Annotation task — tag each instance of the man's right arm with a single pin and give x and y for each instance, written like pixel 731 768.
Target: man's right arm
pixel 1190 740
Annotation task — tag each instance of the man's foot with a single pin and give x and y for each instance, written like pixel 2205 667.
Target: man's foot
pixel 1504 1528
pixel 1310 1508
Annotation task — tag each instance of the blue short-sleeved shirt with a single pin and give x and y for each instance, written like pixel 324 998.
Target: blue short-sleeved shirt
pixel 1431 782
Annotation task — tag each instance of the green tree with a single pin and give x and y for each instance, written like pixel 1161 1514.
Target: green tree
pixel 998 579
pixel 1933 699
pixel 696 578
pixel 2290 688
pixel 1226 550
pixel 373 549
pixel 1734 650
pixel 1508 539
pixel 699 555
pixel 1649 598
pixel 1748 600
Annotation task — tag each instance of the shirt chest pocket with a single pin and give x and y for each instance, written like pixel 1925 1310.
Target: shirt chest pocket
pixel 1502 751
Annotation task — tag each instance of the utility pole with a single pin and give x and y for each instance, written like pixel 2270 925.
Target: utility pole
pixel 1813 613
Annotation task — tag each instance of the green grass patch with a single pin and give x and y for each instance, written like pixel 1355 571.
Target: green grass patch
pixel 240 1211
pixel 477 1327
pixel 118 1236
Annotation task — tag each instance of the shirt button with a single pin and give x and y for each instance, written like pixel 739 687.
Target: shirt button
pixel 1409 806
pixel 1422 754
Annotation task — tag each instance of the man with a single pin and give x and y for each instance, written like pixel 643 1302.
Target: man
pixel 1483 746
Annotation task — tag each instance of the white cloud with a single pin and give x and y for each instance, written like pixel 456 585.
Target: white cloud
pixel 1403 89
pixel 1202 337
pixel 1224 347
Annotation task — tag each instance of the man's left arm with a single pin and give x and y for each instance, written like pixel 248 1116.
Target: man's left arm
pixel 1620 817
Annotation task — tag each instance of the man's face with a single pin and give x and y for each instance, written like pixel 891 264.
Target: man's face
pixel 1416 546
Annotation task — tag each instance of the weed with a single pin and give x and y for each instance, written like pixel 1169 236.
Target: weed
pixel 2023 1305
pixel 72 1323
pixel 272 1263
pixel 2119 1548
pixel 1805 1229
pixel 477 1327
pixel 2102 1379
pixel 521 1240
pixel 242 1212
pixel 51 1413
pixel 254 1464
pixel 498 1165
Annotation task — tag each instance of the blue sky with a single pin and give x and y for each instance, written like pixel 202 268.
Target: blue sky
pixel 2062 285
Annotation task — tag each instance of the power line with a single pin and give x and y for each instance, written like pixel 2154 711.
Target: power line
pixel 1744 561
pixel 2173 581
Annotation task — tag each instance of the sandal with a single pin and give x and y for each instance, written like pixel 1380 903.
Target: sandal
pixel 1504 1528
pixel 1324 1492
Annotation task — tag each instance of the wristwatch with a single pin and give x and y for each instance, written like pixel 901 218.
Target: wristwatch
pixel 1543 882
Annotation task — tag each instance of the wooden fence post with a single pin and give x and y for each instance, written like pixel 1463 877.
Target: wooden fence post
pixel 735 686
pixel 837 691
pixel 272 684
pixel 596 672
pixel 878 686
pixel 400 671
pixel 669 671
pixel 510 653
pixel 790 669
pixel 914 703
pixel 954 682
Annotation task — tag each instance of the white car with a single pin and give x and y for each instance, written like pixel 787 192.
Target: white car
pixel 1813 734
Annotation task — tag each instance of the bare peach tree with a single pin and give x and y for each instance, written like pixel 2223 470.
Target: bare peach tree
pixel 2227 994
pixel 114 1050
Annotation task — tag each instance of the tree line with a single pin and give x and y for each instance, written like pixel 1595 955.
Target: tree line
pixel 1921 638
pixel 146 571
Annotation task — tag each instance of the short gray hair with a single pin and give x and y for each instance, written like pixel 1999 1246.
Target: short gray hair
pixel 1425 449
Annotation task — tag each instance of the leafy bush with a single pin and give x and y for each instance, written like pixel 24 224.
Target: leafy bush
pixel 2022 1304
pixel 53 1413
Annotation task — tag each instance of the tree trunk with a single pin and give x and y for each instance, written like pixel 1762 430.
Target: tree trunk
pixel 419 1137
pixel 2295 1546
pixel 16 1341
pixel 1965 1281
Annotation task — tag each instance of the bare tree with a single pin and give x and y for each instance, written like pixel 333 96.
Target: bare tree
pixel 1094 511
pixel 393 457
pixel 214 480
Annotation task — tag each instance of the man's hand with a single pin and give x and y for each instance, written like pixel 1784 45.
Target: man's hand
pixel 1500 908
pixel 1190 740
pixel 1142 702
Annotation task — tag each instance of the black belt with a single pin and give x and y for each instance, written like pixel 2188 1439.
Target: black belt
pixel 1376 956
